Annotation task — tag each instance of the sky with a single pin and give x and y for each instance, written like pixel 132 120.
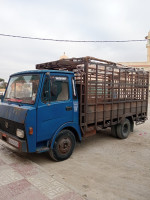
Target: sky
pixel 71 20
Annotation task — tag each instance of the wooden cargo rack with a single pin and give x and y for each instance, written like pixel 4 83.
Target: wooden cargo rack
pixel 107 91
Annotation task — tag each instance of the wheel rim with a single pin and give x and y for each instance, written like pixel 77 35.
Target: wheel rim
pixel 125 128
pixel 64 145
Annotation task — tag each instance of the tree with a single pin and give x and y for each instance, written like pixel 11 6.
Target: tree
pixel 2 80
pixel 3 84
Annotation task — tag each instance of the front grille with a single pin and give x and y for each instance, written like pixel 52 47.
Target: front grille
pixel 10 126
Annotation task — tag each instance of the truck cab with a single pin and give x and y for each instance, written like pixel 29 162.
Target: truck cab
pixel 40 113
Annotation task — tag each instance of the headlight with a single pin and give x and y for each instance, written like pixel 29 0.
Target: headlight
pixel 20 133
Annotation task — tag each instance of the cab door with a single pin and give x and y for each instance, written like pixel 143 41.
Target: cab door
pixel 55 107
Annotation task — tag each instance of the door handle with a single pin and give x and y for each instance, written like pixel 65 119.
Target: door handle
pixel 68 108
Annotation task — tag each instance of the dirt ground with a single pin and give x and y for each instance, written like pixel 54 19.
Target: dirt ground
pixel 105 168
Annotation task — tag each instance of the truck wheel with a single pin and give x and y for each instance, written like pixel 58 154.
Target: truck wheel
pixel 123 129
pixel 114 131
pixel 63 146
pixel 132 125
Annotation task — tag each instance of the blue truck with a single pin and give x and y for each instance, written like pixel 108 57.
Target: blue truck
pixel 56 105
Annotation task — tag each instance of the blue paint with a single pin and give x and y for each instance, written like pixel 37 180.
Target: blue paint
pixel 13 112
pixel 73 125
pixel 46 118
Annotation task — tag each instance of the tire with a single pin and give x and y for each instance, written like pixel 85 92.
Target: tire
pixel 63 146
pixel 124 129
pixel 114 131
pixel 132 125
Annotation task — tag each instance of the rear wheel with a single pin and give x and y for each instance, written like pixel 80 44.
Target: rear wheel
pixel 114 131
pixel 63 146
pixel 123 129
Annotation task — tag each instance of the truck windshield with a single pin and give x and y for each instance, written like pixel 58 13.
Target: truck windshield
pixel 22 89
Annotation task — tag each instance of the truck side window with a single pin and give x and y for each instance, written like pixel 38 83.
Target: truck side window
pixel 45 93
pixel 59 88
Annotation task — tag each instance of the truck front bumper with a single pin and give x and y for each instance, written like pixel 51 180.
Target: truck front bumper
pixel 21 145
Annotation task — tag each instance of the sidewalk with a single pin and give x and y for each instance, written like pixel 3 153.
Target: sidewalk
pixel 21 179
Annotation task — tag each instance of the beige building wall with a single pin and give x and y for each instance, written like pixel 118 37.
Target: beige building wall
pixel 146 64
pixel 148 47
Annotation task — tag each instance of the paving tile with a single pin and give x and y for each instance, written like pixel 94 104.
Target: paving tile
pixel 9 157
pixel 69 196
pixel 47 185
pixel 26 168
pixel 21 179
pixel 2 162
pixel 13 189
pixel 20 190
pixel 8 175
pixel 32 194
